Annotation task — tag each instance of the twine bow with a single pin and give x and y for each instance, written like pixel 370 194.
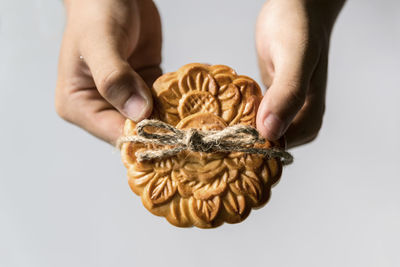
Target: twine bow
pixel 237 138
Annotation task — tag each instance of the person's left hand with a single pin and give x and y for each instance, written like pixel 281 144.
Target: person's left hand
pixel 292 40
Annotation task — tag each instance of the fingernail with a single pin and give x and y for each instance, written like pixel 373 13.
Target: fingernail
pixel 275 127
pixel 135 107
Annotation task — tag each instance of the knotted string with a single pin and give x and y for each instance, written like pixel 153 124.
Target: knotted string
pixel 237 138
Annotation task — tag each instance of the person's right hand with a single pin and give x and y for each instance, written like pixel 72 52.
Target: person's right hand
pixel 110 55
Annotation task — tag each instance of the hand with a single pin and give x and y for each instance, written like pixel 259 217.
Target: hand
pixel 292 40
pixel 110 54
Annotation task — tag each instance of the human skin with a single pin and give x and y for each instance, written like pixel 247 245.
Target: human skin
pixel 111 55
pixel 292 41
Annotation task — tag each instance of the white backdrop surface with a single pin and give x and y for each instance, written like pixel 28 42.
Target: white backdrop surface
pixel 64 199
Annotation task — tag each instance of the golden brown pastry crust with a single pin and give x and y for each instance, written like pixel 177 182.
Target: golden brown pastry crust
pixel 194 188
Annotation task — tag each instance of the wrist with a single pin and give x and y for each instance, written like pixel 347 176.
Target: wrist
pixel 320 14
pixel 324 11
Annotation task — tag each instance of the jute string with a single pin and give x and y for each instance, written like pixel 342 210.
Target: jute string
pixel 237 138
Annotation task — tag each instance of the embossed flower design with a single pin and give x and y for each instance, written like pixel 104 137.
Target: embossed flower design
pixel 195 188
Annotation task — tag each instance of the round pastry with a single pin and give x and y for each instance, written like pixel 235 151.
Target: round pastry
pixel 196 188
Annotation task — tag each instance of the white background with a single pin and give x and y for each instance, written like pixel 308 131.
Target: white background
pixel 64 198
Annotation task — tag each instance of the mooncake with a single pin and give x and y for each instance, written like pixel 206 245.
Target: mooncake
pixel 197 188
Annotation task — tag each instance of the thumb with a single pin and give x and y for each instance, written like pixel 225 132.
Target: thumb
pixel 117 82
pixel 284 98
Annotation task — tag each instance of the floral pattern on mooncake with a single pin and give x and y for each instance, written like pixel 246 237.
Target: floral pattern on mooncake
pixel 196 188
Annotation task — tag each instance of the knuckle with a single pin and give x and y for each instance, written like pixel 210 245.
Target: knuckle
pixel 61 105
pixel 307 127
pixel 310 139
pixel 295 96
pixel 314 130
pixel 112 82
pixel 312 136
pixel 61 110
